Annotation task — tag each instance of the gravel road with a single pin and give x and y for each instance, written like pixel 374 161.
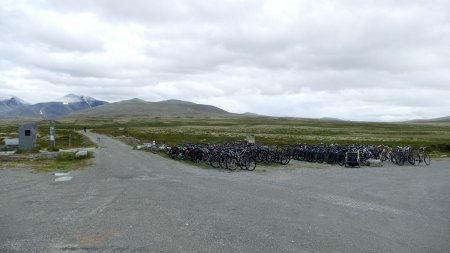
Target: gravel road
pixel 133 201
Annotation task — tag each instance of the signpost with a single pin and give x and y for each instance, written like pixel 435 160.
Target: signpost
pixel 250 138
pixel 52 137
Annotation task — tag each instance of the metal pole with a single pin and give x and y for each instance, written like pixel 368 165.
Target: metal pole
pixel 52 137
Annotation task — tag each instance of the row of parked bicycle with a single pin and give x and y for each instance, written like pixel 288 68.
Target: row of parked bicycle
pixel 361 154
pixel 244 155
pixel 230 156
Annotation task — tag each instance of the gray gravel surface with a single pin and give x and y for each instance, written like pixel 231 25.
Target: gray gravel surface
pixel 133 201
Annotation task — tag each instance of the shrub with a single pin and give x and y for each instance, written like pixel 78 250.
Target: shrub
pixel 90 154
pixel 66 157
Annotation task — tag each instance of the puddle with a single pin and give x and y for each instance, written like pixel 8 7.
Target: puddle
pixel 63 179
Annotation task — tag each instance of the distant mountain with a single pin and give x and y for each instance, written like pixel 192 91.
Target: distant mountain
pixel 330 119
pixel 176 101
pixel 251 114
pixel 61 107
pixel 77 99
pixel 140 108
pixel 11 103
pixel 434 120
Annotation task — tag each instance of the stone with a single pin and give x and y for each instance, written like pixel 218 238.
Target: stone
pixel 49 155
pixel 63 179
pixel 374 163
pixel 81 154
pixel 61 174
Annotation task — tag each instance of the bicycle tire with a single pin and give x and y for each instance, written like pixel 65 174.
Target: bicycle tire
pixel 231 163
pixel 412 159
pixel 418 159
pixel 250 164
pixel 215 161
pixel 223 161
pixel 426 159
pixel 400 158
pixel 285 159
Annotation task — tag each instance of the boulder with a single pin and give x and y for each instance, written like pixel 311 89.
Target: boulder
pixel 374 163
pixel 81 154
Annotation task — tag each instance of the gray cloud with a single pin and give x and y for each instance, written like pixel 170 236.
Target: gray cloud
pixel 390 59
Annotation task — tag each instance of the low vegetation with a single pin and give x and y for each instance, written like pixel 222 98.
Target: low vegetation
pixel 66 137
pixel 267 130
pixel 65 162
pixel 48 165
pixel 271 131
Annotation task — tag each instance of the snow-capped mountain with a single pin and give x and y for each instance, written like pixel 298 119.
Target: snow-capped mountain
pixel 8 103
pixel 61 107
pixel 72 99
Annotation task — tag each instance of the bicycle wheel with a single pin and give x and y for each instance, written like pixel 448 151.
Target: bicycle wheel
pixel 285 159
pixel 411 159
pixel 363 160
pixel 394 158
pixel 261 156
pixel 173 153
pixel 250 164
pixel 223 161
pixel 231 163
pixel 426 159
pixel 418 158
pixel 301 156
pixel 384 156
pixel 320 157
pixel 271 157
pixel 400 158
pixel 215 161
pixel 341 159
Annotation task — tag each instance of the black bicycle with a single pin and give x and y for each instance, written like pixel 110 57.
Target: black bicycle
pixel 422 156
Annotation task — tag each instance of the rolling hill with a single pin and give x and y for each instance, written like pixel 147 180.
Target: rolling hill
pixel 140 108
pixel 434 120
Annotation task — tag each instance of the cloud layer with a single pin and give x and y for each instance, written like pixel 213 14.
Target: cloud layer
pixel 360 60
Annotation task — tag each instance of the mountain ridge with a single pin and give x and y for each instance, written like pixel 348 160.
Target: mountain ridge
pixel 432 120
pixel 49 110
pixel 10 103
pixel 72 105
pixel 140 108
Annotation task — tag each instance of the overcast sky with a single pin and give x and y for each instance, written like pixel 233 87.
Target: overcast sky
pixel 374 60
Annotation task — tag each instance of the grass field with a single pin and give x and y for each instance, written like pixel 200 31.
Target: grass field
pixel 268 130
pixel 66 137
pixel 272 131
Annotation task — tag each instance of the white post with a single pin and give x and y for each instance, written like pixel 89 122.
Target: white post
pixel 52 137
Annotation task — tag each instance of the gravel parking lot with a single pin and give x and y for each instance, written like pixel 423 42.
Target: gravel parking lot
pixel 133 201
